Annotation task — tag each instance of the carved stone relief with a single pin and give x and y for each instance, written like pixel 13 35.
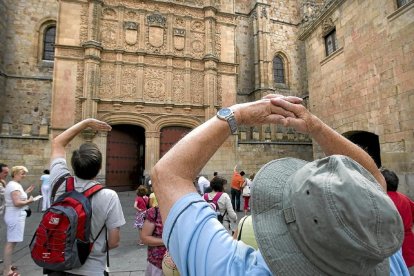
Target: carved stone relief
pixel 327 26
pixel 108 33
pixel 109 13
pixel 156 27
pixel 129 82
pixel 197 26
pixel 79 79
pixel 131 15
pixel 197 45
pixel 83 34
pixel 131 32
pixel 219 91
pixel 197 87
pixel 154 84
pixel 178 86
pixel 179 22
pixel 107 81
pixel 151 60
pixel 217 41
pixel 179 39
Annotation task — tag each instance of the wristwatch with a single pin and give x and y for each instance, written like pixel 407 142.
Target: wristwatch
pixel 226 114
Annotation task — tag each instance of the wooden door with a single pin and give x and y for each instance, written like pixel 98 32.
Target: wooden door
pixel 125 157
pixel 170 136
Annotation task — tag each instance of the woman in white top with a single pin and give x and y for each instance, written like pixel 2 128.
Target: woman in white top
pixel 15 214
pixel 224 203
pixel 46 190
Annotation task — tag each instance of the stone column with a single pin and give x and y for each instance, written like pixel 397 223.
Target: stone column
pixel 140 76
pixel 152 149
pixel 210 61
pixel 92 48
pixel 91 79
pixel 210 86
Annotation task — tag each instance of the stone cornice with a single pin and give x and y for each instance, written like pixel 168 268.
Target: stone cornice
pixel 321 14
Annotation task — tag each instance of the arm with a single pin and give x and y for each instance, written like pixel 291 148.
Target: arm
pixel 176 170
pixel 235 168
pixel 60 142
pixel 113 238
pixel 30 189
pixel 136 205
pixel 18 202
pixel 147 237
pixel 329 140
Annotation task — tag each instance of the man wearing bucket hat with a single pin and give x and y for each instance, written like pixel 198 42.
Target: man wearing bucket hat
pixel 326 217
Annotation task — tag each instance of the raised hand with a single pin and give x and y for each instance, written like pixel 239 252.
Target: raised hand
pixel 98 125
pixel 302 121
pixel 30 189
pixel 264 112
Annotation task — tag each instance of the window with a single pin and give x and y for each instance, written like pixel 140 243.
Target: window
pixel 330 42
pixel 49 43
pixel 401 3
pixel 278 70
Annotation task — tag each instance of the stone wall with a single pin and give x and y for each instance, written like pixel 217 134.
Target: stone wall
pixel 27 79
pixel 31 152
pixel 367 84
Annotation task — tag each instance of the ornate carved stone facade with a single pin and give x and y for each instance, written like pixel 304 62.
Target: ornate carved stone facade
pixel 166 63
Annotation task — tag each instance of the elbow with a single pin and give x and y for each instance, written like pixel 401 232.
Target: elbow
pixel 113 245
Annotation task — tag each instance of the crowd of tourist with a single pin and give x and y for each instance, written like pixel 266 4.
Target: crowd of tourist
pixel 332 216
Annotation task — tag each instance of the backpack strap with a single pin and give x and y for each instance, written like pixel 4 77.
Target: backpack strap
pixel 70 184
pixel 217 197
pixel 57 185
pixel 241 229
pixel 92 190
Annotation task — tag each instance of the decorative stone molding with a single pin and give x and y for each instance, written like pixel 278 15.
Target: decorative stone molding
pixel 313 20
pixel 327 26
pixel 156 20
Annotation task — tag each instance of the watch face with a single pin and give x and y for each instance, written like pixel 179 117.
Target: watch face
pixel 224 112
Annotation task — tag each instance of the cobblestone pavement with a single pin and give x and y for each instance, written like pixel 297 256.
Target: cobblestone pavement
pixel 128 259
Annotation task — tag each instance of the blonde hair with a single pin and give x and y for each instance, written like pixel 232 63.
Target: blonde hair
pixel 17 169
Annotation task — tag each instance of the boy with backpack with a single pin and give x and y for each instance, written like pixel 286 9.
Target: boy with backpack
pixel 106 211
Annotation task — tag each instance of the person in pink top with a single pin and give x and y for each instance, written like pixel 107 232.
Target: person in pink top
pixel 141 202
pixel 405 207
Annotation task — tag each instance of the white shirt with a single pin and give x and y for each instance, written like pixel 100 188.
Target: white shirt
pixel 10 188
pixel 203 183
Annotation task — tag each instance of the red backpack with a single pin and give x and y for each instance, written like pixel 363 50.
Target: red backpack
pixel 61 241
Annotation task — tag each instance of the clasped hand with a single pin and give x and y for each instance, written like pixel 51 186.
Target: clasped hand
pixel 275 109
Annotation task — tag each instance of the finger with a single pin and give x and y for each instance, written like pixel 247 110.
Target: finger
pixel 281 111
pixel 271 96
pixel 276 119
pixel 293 99
pixel 292 107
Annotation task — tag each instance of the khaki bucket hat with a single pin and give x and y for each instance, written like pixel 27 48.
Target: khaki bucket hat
pixel 326 217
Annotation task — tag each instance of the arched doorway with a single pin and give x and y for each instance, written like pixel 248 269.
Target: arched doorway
pixel 125 157
pixel 170 136
pixel 368 141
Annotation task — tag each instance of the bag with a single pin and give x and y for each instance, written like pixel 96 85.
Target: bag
pixel 214 205
pixel 246 190
pixel 61 241
pixel 28 212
